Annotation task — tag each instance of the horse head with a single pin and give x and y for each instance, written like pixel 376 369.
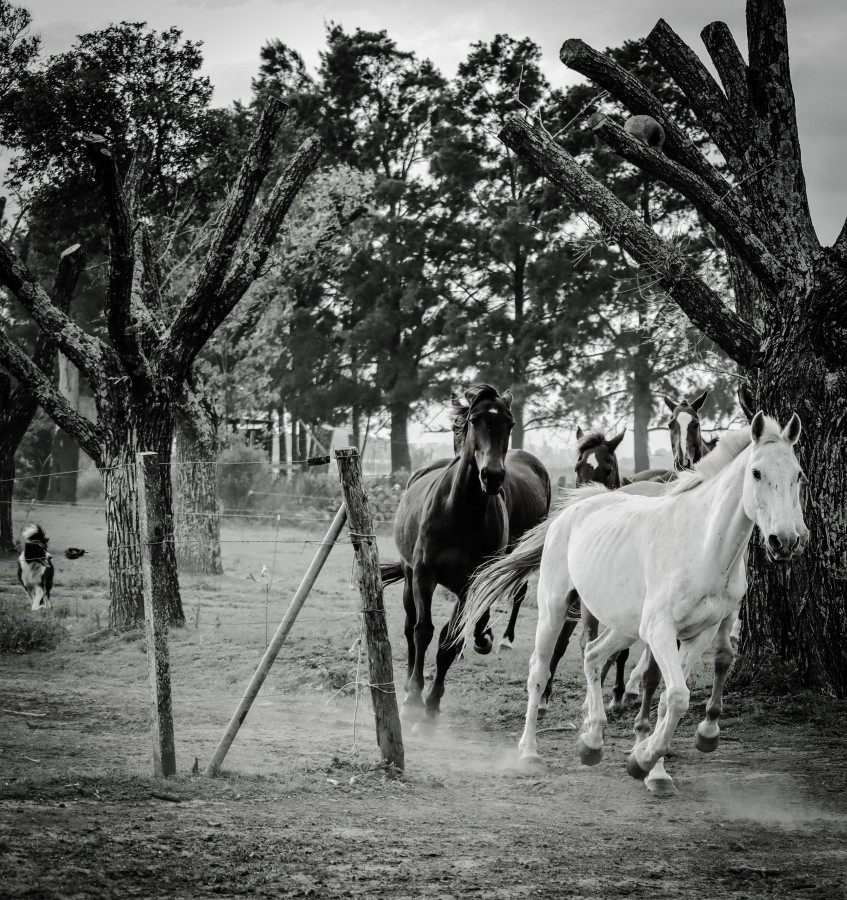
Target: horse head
pixel 481 429
pixel 773 482
pixel 596 460
pixel 686 439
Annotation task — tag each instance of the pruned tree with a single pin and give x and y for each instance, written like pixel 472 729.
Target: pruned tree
pixel 18 406
pixel 139 377
pixel 787 330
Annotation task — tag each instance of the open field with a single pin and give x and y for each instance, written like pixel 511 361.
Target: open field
pixel 301 810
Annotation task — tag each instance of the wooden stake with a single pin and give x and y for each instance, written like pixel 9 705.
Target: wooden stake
pixel 151 521
pixel 381 670
pixel 277 641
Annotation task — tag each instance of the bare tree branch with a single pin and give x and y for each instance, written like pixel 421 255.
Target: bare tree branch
pixel 774 121
pixel 89 354
pixel 702 306
pixel 730 65
pixel 706 99
pixel 626 88
pixel 122 325
pixel 237 208
pixel 192 328
pixel 739 234
pixel 35 375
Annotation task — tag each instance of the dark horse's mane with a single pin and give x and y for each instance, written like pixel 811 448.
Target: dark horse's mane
pixel 473 395
pixel 590 441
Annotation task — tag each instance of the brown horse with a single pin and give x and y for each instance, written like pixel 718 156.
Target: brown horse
pixel 687 442
pixel 456 514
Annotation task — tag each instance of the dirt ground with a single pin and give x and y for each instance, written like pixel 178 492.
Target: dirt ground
pixel 302 808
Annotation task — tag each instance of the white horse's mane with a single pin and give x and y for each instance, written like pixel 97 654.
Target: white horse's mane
pixel 728 448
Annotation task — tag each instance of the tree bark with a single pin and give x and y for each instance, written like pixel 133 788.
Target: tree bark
pixel 401 459
pixel 65 451
pixel 197 527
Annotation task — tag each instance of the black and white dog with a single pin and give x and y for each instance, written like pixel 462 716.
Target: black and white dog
pixel 35 566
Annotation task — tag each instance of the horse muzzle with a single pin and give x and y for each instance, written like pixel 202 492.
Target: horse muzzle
pixel 785 547
pixel 492 481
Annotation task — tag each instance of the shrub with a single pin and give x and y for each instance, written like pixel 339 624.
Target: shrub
pixel 28 632
pixel 240 470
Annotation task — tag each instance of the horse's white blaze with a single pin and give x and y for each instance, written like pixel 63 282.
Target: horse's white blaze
pixel 683 420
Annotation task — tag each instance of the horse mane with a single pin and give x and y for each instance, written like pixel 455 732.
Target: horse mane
pixel 728 448
pixel 473 395
pixel 590 441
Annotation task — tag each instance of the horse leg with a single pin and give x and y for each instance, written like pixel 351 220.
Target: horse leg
pixel 590 744
pixel 616 704
pixel 636 677
pixel 552 612
pixel 509 634
pixel 675 665
pixel 558 652
pixel 708 732
pixel 658 782
pixel 448 650
pixel 411 618
pixel 423 585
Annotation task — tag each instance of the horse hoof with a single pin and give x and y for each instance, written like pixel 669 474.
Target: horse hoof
pixel 505 644
pixel 412 712
pixel 706 744
pixel 661 787
pixel 485 643
pixel 531 763
pixel 634 770
pixel 588 756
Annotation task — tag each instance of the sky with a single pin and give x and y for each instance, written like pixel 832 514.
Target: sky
pixel 233 31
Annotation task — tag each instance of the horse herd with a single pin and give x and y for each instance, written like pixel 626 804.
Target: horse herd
pixel 660 558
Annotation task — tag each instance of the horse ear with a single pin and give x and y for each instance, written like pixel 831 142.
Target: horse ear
pixel 458 405
pixel 757 426
pixel 580 434
pixel 792 430
pixel 507 398
pixel 699 401
pixel 612 444
pixel 671 405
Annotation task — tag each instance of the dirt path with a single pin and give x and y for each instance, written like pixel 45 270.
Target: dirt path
pixel 297 813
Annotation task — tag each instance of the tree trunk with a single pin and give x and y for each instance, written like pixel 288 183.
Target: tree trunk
pixel 518 362
pixel 642 399
pixel 799 611
pixel 65 450
pixel 154 432
pixel 7 488
pixel 401 459
pixel 197 529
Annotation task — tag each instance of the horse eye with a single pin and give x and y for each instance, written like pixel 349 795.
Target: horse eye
pixel 757 474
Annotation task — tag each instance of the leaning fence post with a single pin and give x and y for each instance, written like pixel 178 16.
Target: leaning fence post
pixel 277 641
pixel 380 668
pixel 151 521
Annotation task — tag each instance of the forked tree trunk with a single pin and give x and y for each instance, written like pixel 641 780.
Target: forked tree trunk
pixel 195 481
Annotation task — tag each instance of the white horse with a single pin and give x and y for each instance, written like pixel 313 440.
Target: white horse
pixel 662 569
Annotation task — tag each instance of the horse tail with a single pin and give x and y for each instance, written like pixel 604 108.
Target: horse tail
pixel 391 573
pixel 502 576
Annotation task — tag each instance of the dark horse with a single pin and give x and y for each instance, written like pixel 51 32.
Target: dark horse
pixel 687 442
pixel 455 514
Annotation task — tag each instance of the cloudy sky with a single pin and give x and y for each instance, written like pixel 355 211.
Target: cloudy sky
pixel 232 31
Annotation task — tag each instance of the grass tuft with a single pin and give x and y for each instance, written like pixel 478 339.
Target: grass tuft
pixel 28 632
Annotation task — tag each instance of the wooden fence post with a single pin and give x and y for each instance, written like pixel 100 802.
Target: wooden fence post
pixel 151 521
pixel 277 641
pixel 380 668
